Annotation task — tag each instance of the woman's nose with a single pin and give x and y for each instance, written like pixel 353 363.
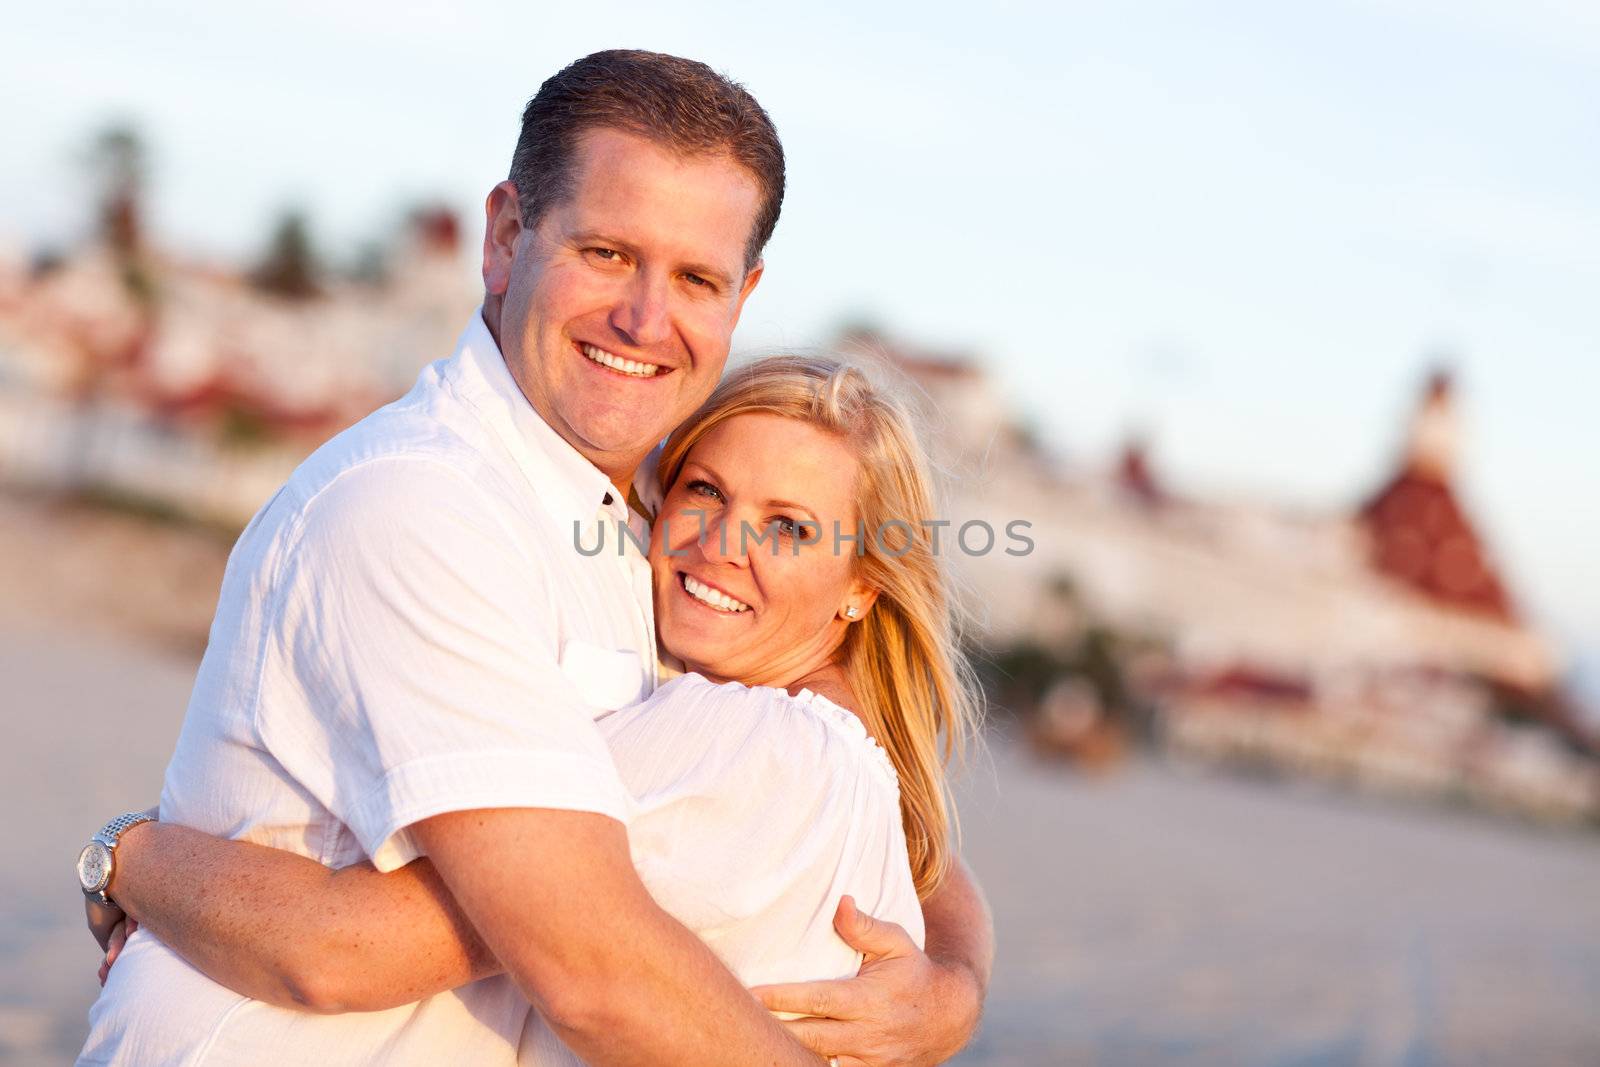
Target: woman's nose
pixel 722 541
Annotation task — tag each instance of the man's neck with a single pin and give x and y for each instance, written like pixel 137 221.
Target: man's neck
pixel 491 319
pixel 621 475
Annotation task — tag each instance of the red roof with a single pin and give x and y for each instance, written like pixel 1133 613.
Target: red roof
pixel 1421 535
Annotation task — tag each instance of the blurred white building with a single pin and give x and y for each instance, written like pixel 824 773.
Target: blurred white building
pixel 205 392
pixel 1379 644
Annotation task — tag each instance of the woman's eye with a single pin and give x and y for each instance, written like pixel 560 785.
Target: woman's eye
pixel 705 489
pixel 787 527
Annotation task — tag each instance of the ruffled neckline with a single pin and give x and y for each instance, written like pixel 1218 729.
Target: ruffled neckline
pixel 840 719
pixel 850 723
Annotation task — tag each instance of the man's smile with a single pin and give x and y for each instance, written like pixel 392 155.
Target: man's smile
pixel 632 368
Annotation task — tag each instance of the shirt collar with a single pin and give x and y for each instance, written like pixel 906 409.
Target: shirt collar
pixel 646 484
pixel 567 481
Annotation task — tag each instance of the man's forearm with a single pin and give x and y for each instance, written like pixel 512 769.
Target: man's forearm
pixel 960 936
pixel 689 1011
pixel 282 928
pixel 555 895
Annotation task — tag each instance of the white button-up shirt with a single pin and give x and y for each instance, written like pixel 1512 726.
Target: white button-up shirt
pixel 407 628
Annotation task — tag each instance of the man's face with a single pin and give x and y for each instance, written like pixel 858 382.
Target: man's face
pixel 619 306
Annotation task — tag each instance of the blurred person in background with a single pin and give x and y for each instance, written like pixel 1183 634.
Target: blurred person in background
pixel 408 656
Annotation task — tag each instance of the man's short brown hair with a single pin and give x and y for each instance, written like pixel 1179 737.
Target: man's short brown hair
pixel 680 103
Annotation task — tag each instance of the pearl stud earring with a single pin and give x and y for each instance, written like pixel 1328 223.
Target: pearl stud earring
pixel 850 612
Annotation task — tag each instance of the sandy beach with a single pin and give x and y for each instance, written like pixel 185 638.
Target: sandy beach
pixel 1150 916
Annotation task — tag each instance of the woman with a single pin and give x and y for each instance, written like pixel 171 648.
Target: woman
pixel 800 760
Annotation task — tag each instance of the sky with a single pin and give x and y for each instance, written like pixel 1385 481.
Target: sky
pixel 1245 229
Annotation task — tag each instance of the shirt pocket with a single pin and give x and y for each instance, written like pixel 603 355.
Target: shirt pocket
pixel 605 678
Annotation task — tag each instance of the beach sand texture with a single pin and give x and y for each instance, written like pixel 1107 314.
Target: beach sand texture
pixel 1147 917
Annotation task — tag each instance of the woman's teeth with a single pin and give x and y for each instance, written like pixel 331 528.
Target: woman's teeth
pixel 712 597
pixel 617 363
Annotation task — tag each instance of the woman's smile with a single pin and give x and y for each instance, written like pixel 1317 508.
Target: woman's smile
pixel 709 596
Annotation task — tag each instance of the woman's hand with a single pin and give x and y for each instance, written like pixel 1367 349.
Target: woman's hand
pixel 902 1008
pixel 114 941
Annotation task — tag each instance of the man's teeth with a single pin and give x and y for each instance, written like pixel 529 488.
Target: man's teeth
pixel 707 595
pixel 617 363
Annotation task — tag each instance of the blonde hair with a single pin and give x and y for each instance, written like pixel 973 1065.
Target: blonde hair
pixel 915 689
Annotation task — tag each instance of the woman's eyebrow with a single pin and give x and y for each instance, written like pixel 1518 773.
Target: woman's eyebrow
pixel 711 474
pixel 791 505
pixel 705 468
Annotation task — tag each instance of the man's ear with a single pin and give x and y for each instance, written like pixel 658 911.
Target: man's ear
pixel 503 225
pixel 748 287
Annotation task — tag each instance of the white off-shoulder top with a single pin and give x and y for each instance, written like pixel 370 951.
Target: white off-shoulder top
pixel 753 812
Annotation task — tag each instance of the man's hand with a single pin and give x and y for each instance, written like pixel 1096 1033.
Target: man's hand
pixel 119 937
pixel 902 1008
pixel 102 919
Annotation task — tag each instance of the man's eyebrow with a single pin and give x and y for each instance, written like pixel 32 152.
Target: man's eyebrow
pixel 596 237
pixel 709 273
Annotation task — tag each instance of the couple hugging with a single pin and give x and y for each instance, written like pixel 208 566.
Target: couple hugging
pixel 436 800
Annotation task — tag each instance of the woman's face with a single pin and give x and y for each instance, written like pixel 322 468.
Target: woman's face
pixel 739 592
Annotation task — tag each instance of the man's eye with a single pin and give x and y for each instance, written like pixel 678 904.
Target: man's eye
pixel 786 526
pixel 610 255
pixel 696 280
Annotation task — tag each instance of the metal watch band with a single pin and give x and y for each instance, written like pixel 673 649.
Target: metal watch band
pixel 106 839
pixel 113 830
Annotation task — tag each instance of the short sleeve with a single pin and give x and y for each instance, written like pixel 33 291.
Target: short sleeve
pixel 756 814
pixel 411 663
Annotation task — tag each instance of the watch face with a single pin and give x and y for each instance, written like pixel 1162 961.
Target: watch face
pixel 94 867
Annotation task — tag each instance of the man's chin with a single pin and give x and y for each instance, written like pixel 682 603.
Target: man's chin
pixel 620 435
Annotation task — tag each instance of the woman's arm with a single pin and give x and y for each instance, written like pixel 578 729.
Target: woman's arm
pixel 284 929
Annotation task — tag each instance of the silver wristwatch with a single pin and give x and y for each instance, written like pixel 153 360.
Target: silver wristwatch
pixel 98 858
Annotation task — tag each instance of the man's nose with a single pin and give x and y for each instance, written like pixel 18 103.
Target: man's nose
pixel 641 312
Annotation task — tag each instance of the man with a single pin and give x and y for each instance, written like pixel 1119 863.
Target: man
pixel 407 654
